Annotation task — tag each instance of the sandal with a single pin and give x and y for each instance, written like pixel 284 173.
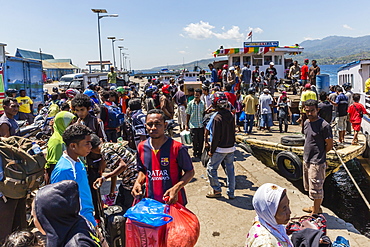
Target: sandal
pixel 214 194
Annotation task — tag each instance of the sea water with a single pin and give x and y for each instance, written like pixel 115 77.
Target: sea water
pixel 332 71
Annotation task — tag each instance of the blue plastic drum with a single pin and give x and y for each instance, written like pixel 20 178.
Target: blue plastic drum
pixel 322 83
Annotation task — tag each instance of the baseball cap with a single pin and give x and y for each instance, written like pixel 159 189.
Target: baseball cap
pixel 307 86
pixel 266 90
pixel 272 63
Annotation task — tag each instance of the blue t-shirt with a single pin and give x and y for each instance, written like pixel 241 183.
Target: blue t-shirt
pixel 68 169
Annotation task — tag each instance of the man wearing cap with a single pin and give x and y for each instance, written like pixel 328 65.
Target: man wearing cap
pixel 222 146
pixel 270 75
pixel 246 78
pixel 306 95
pixel 265 102
pixel 304 72
pixel 313 72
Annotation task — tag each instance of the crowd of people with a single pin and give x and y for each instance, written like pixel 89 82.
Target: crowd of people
pixel 103 134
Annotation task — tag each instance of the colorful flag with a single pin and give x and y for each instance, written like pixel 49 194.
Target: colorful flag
pixel 249 35
pixel 227 51
pixel 251 49
pixel 236 50
pixel 232 51
pixel 256 49
pixel 266 49
pixel 246 50
pixel 272 49
pixel 260 50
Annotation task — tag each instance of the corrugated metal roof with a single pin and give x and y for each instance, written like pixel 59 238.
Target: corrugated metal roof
pixel 64 65
pixel 59 60
pixel 32 54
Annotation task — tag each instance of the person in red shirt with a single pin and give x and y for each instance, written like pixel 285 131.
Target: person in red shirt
pixel 231 97
pixel 304 72
pixel 356 111
pixel 164 164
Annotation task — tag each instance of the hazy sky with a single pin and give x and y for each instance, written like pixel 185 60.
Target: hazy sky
pixel 164 32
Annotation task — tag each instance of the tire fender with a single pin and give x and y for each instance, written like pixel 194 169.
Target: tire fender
pixel 295 161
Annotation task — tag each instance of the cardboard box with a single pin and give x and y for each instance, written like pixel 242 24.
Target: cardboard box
pixel 193 84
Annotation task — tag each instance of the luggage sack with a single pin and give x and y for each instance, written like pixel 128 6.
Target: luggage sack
pixel 115 226
pixel 185 137
pixel 23 171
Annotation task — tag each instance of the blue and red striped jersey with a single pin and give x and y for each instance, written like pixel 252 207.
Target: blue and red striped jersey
pixel 164 167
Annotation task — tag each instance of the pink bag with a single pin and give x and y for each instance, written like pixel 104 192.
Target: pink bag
pixel 184 229
pixel 143 235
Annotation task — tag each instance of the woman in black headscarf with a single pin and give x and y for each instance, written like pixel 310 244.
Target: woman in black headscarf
pixel 56 214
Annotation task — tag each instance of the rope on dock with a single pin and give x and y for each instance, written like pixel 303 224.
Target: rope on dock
pixel 353 180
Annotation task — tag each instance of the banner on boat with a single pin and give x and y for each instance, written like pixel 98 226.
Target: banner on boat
pixel 262 44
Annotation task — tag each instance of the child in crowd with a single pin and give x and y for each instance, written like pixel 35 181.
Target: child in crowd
pixel 356 112
pixel 77 138
pixel 81 105
pixel 56 145
pixel 283 114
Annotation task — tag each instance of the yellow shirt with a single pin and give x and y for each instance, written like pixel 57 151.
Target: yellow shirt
pixel 250 102
pixel 367 85
pixel 306 96
pixel 112 77
pixel 24 104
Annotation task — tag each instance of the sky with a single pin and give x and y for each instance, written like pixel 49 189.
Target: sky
pixel 165 32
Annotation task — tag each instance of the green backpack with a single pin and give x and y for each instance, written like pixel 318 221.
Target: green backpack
pixel 23 172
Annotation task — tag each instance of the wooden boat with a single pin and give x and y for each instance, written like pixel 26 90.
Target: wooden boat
pixel 288 160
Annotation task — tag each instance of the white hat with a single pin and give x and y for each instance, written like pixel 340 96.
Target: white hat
pixel 231 68
pixel 272 63
pixel 266 90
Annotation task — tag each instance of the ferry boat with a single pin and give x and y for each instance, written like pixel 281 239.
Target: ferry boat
pixel 357 73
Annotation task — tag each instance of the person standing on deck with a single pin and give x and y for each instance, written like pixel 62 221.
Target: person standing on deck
pixel 318 141
pixel 347 87
pixel 342 106
pixel 112 77
pixel 214 76
pixel 271 77
pixel 313 72
pixel 304 72
pixel 266 103
pixel 246 78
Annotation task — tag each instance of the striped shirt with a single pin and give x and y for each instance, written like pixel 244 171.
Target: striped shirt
pixel 163 168
pixel 196 112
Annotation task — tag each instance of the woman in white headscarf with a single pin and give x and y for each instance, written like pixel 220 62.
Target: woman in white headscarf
pixel 272 207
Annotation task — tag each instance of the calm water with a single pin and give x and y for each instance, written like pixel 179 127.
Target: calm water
pixel 331 70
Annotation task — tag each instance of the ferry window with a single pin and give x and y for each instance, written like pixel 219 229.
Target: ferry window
pixel 268 60
pixel 257 60
pixel 247 59
pixel 236 60
pixel 278 60
pixel 351 79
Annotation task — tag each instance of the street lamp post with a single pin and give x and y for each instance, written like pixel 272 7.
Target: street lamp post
pixel 99 11
pixel 124 60
pixel 120 55
pixel 114 56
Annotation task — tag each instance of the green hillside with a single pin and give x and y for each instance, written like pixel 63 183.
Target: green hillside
pixel 329 50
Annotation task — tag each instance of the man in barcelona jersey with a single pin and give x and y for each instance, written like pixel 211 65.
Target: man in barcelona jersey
pixel 164 164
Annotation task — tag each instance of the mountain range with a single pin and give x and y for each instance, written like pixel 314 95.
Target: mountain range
pixel 329 50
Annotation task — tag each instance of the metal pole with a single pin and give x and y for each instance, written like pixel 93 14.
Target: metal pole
pixel 130 64
pixel 120 58
pixel 100 53
pixel 123 61
pixel 114 57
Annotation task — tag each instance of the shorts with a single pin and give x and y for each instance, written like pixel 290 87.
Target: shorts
pixel 313 179
pixel 356 127
pixel 341 121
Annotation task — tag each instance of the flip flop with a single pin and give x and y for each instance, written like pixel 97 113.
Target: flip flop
pixel 214 194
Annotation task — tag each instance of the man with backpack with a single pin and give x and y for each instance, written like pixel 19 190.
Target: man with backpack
pixel 111 115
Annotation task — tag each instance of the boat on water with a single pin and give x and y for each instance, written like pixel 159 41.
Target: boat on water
pixel 285 153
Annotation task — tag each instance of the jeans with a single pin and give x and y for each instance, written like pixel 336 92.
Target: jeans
pixel 266 120
pixel 281 121
pixel 212 167
pixel 248 123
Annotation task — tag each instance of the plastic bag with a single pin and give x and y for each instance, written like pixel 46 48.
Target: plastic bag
pixel 140 234
pixel 242 116
pixel 341 242
pixel 185 137
pixel 184 230
pixel 150 212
